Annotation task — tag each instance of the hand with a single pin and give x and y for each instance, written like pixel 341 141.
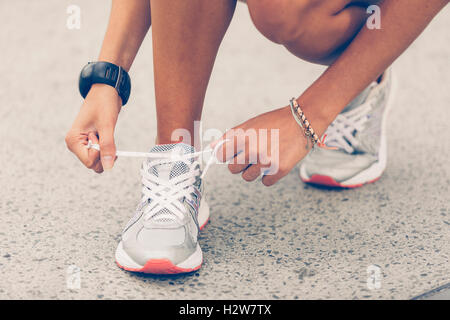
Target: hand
pixel 96 121
pixel 270 144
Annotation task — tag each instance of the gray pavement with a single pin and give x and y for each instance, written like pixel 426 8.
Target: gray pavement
pixel 291 241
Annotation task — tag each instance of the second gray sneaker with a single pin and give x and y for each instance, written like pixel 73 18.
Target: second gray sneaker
pixel 356 141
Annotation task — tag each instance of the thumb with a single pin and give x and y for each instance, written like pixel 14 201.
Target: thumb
pixel 107 147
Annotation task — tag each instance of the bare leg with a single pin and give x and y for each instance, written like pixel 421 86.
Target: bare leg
pixel 186 38
pixel 316 31
pixel 330 32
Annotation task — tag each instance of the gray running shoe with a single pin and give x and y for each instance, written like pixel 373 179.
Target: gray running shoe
pixel 162 236
pixel 356 141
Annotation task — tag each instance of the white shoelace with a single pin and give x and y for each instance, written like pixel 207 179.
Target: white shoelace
pixel 340 132
pixel 166 193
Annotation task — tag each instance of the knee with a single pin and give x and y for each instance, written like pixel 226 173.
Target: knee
pixel 281 21
pixel 293 23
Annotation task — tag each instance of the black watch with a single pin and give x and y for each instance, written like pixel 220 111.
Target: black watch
pixel 106 73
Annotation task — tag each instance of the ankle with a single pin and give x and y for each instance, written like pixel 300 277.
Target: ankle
pixel 177 138
pixel 188 133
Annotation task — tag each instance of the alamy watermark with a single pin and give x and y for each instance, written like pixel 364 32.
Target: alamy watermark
pixel 374 20
pixel 375 275
pixel 262 145
pixel 73 21
pixel 73 277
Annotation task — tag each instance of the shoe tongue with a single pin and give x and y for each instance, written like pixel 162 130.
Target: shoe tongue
pixel 166 171
pixel 171 169
pixel 358 101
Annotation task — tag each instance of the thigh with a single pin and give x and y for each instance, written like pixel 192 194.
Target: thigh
pixel 336 6
pixel 332 6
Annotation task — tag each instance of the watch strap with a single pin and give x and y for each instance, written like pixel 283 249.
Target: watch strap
pixel 106 73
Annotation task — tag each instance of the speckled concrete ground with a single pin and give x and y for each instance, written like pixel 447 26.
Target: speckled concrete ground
pixel 290 241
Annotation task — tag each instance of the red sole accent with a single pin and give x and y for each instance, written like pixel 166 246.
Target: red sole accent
pixel 330 182
pixel 204 225
pixel 160 266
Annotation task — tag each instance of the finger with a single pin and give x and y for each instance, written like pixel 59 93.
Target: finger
pixel 235 143
pixel 252 172
pixel 107 147
pixel 228 149
pixel 247 156
pixel 77 144
pixel 93 154
pixel 239 163
pixel 98 167
pixel 270 179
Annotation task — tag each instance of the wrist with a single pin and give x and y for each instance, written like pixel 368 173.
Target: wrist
pixel 104 90
pixel 121 61
pixel 315 116
pixel 296 130
pixel 321 104
pixel 102 95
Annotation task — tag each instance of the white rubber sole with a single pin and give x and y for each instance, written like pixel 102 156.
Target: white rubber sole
pixel 203 214
pixel 159 266
pixel 165 266
pixel 375 171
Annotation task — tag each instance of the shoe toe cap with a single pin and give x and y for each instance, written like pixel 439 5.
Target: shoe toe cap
pixel 153 243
